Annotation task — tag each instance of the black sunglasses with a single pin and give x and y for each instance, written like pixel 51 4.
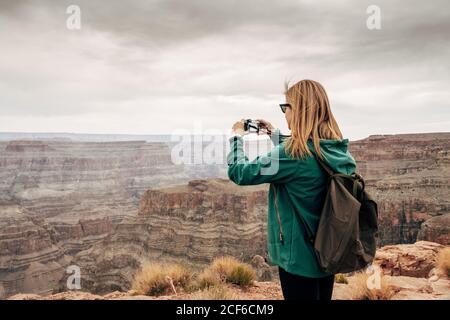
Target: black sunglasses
pixel 284 106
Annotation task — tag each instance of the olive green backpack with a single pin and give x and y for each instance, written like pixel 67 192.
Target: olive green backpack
pixel 346 237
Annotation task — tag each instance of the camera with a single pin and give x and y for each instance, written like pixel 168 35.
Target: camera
pixel 254 126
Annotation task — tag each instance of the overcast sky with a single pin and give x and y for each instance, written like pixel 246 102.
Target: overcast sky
pixel 151 66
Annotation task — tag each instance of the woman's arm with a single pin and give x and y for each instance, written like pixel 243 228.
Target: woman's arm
pixel 270 168
pixel 274 133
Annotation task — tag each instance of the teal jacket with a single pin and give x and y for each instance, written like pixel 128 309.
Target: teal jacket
pixel 300 184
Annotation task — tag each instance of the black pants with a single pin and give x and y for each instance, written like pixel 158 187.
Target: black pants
pixel 295 287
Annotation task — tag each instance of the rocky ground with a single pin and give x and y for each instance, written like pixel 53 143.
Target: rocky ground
pixel 405 288
pixel 268 290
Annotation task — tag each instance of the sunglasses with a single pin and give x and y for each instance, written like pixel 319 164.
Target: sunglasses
pixel 284 106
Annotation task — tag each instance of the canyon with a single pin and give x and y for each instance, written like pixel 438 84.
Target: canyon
pixel 191 223
pixel 110 206
pixel 409 176
pixel 58 198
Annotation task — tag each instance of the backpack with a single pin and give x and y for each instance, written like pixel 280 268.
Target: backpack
pixel 347 234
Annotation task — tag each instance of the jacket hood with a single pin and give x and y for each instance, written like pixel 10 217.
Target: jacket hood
pixel 336 155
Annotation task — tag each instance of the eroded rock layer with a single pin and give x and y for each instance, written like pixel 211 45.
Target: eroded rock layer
pixel 58 198
pixel 409 175
pixel 191 223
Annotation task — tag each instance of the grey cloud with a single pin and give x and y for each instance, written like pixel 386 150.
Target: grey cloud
pixel 198 50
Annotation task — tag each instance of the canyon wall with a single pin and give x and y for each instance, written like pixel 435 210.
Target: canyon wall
pixel 191 223
pixel 58 198
pixel 74 180
pixel 110 206
pixel 409 175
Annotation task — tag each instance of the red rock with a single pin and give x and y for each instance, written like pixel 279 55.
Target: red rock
pixel 436 229
pixel 413 260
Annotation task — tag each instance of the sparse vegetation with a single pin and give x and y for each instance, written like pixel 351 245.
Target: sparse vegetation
pixel 156 279
pixel 215 292
pixel 180 275
pixel 208 278
pixel 340 278
pixel 363 292
pixel 443 262
pixel 231 270
pixel 242 275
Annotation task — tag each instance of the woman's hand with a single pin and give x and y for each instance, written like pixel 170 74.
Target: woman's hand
pixel 238 128
pixel 266 125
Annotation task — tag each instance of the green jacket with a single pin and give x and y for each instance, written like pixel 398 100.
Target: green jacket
pixel 299 184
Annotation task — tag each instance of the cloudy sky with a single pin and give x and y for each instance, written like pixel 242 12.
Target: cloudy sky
pixel 155 66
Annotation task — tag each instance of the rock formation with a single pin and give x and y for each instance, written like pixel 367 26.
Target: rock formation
pixel 60 197
pixel 408 174
pixel 436 229
pixel 34 253
pixel 411 260
pixel 192 223
pixel 409 272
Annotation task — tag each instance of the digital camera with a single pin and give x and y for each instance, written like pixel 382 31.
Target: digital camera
pixel 252 126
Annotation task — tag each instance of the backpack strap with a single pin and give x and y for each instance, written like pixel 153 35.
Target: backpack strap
pixel 325 166
pixel 355 176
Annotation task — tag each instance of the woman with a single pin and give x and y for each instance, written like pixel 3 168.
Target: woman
pixel 298 185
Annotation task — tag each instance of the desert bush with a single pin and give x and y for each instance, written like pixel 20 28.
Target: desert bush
pixel 180 275
pixel 362 292
pixel 156 279
pixel 242 275
pixel 216 292
pixel 443 261
pixel 340 278
pixel 231 270
pixel 208 278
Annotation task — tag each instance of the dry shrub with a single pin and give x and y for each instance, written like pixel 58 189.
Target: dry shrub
pixel 340 278
pixel 156 279
pixel 216 292
pixel 180 275
pixel 362 291
pixel 231 270
pixel 208 278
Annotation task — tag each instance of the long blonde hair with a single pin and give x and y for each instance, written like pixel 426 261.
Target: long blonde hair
pixel 311 118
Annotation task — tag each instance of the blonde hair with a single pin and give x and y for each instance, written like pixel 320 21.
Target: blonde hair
pixel 311 118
